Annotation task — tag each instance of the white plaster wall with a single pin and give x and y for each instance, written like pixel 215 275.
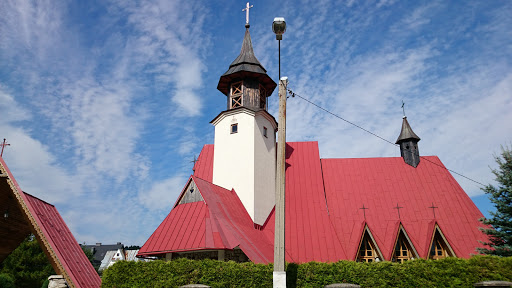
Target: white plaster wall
pixel 233 159
pixel 246 160
pixel 264 170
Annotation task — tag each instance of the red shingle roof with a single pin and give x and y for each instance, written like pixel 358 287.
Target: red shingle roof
pixel 324 221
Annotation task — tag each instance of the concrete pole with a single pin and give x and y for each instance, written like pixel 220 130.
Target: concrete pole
pixel 279 275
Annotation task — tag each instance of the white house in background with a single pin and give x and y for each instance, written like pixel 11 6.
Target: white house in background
pixel 113 256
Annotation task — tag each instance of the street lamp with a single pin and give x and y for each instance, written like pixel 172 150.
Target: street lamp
pixel 279 275
pixel 279 27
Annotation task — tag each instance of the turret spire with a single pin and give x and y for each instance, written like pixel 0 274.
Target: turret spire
pixel 408 141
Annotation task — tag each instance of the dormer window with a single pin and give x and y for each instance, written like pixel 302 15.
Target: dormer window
pixel 236 94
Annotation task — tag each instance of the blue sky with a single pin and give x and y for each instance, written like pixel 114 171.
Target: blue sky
pixel 105 103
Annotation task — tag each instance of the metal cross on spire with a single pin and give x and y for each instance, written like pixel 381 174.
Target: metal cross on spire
pixel 246 9
pixel 403 107
pixel 3 145
pixel 194 161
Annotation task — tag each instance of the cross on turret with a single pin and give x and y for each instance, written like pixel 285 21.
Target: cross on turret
pixel 246 9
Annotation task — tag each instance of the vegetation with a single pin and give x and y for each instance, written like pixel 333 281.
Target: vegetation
pixel 500 234
pixel 27 266
pixel 449 272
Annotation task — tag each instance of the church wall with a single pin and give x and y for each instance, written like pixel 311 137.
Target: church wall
pixel 233 164
pixel 265 169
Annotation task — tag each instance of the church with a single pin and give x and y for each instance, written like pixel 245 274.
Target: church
pixel 361 209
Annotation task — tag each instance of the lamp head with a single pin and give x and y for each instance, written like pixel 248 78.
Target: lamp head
pixel 279 27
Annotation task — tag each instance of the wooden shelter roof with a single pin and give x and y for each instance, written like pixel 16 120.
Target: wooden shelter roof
pixel 27 214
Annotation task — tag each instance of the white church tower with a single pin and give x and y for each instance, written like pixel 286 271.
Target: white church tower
pixel 245 143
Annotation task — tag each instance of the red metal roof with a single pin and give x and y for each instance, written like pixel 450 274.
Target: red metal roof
pixel 220 222
pixel 380 184
pixel 324 221
pixel 51 229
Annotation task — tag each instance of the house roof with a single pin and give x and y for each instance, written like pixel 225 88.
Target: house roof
pixel 99 250
pixel 28 214
pixel 324 221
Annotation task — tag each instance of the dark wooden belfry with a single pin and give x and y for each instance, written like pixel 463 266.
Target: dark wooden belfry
pixel 246 83
pixel 408 142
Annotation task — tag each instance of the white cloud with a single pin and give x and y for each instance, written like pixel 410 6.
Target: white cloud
pixel 163 193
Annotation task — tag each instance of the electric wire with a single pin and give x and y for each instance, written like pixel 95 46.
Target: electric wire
pixel 293 94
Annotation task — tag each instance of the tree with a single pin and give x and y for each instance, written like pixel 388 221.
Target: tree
pixel 27 265
pixel 500 234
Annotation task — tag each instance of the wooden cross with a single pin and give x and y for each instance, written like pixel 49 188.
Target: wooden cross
pixel 3 145
pixel 433 209
pixel 398 208
pixel 194 161
pixel 364 211
pixel 246 9
pixel 403 107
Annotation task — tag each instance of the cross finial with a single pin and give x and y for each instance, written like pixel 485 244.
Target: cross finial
pixel 246 9
pixel 433 209
pixel 194 161
pixel 364 211
pixel 3 145
pixel 403 107
pixel 398 208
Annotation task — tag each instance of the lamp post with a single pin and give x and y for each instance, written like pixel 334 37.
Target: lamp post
pixel 279 275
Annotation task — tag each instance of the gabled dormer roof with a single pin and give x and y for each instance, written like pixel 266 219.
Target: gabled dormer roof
pixel 406 133
pixel 246 65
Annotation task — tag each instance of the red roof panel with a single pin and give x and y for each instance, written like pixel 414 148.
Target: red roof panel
pixel 57 234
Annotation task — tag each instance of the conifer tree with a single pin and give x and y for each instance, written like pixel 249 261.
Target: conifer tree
pixel 500 234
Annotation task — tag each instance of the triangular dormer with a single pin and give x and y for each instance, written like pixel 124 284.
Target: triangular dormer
pixel 404 250
pixel 368 250
pixel 439 246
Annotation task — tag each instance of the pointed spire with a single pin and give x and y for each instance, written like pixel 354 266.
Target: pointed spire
pixel 406 133
pixel 408 141
pixel 246 65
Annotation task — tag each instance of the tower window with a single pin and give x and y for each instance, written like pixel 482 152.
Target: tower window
pixel 265 132
pixel 236 94
pixel 234 128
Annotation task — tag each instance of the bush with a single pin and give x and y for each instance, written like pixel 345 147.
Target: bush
pixel 449 272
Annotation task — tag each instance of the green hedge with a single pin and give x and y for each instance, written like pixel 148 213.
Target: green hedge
pixel 450 272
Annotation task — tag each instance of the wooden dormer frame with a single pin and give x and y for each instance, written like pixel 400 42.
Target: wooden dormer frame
pixel 449 250
pixel 412 249
pixel 373 243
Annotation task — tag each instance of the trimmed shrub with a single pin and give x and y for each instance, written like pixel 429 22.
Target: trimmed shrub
pixel 449 272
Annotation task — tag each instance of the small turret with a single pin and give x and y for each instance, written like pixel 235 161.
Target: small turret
pixel 408 141
pixel 246 82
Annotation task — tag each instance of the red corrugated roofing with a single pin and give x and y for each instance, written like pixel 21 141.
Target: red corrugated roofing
pixel 57 234
pixel 324 221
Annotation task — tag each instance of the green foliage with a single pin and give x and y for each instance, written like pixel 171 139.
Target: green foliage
pixel 6 281
pixel 500 235
pixel 27 265
pixel 449 272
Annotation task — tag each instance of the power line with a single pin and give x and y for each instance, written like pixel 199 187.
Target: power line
pixel 293 94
